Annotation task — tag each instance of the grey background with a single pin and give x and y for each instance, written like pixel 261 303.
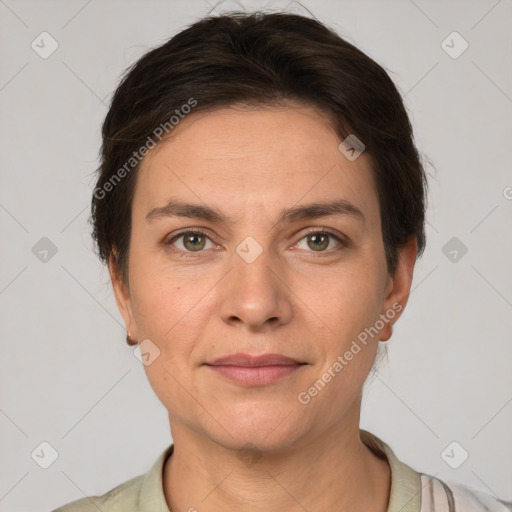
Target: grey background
pixel 66 375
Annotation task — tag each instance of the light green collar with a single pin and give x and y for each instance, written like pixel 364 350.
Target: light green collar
pixel 405 495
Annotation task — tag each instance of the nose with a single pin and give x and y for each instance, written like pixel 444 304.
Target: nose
pixel 254 295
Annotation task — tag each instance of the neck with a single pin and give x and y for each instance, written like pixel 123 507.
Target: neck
pixel 334 471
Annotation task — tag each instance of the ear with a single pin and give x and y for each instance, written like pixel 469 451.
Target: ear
pixel 399 287
pixel 122 295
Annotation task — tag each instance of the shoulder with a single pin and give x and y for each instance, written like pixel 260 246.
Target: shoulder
pixel 445 495
pixel 144 491
pixel 413 491
pixel 123 498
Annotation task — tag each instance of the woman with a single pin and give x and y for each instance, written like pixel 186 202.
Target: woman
pixel 260 205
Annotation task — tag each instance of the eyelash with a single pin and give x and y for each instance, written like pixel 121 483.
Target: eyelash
pixel 343 242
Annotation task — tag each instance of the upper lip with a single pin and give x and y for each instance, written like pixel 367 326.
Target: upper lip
pixel 248 360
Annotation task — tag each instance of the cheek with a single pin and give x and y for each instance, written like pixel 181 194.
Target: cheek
pixel 351 306
pixel 160 297
pixel 173 312
pixel 168 312
pixel 350 300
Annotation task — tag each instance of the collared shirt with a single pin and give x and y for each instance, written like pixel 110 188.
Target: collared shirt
pixel 411 491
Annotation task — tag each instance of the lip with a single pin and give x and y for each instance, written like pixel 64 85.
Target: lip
pixel 250 370
pixel 247 360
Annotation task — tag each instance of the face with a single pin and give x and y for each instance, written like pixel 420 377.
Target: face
pixel 252 269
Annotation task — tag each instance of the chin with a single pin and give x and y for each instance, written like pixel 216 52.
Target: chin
pixel 265 425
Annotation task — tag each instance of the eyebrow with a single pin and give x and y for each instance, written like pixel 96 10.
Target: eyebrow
pixel 176 208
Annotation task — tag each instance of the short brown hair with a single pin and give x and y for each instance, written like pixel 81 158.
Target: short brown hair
pixel 260 60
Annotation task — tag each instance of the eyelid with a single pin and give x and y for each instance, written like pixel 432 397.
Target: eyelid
pixel 327 231
pixel 168 240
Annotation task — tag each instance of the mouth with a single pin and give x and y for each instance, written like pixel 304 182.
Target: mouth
pixel 250 370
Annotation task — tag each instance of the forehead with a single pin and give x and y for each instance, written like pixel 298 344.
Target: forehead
pixel 237 159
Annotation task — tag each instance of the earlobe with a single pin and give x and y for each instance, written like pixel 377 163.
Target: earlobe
pixel 399 287
pixel 122 295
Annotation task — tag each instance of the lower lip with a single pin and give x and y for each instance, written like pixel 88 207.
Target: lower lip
pixel 255 375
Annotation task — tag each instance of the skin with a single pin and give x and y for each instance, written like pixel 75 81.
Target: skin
pixel 293 299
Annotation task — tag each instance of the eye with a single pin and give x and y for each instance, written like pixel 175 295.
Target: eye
pixel 190 241
pixel 320 241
